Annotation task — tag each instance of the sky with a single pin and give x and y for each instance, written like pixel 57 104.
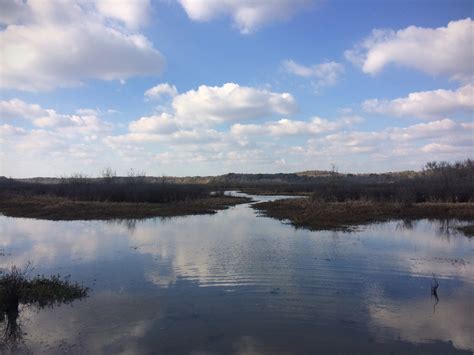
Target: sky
pixel 207 87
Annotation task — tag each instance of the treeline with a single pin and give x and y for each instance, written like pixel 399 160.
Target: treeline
pixel 437 182
pixel 108 188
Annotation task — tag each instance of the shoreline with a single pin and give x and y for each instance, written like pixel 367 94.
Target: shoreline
pixel 63 209
pixel 346 216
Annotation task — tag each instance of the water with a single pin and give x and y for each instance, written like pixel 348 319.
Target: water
pixel 234 282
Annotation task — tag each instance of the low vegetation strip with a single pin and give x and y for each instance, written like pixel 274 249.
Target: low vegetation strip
pixel 17 288
pixel 60 208
pixel 316 215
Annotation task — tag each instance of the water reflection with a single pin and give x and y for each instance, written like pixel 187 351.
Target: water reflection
pixel 234 283
pixel 412 321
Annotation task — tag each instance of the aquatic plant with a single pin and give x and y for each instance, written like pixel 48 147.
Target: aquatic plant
pixel 17 288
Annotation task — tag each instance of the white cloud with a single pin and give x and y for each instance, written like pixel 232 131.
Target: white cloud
pixel 47 44
pixel 160 90
pixel 418 140
pixel 38 141
pixel 195 111
pixel 286 127
pixel 164 123
pixel 433 129
pixel 85 121
pixel 182 137
pixel 215 104
pixel 425 104
pixel 439 148
pixel 12 11
pixel 436 51
pixel 324 74
pixel 248 15
pixel 134 13
pixel 18 109
pixel 8 131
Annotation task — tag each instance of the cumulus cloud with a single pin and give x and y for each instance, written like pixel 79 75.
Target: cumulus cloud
pixel 7 130
pixel 423 130
pixel 215 104
pixel 247 15
pixel 286 127
pixel 324 74
pixel 194 112
pixel 132 13
pixel 178 137
pixel 425 104
pixel 12 11
pixel 46 44
pixel 42 141
pixel 435 51
pixel 415 140
pixel 160 90
pixel 164 123
pixel 18 109
pixel 439 148
pixel 85 121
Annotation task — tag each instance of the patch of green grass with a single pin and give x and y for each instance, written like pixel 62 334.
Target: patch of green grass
pixel 16 289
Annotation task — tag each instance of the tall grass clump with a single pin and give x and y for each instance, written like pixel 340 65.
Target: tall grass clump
pixel 17 288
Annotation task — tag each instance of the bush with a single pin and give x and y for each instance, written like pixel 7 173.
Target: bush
pixel 110 188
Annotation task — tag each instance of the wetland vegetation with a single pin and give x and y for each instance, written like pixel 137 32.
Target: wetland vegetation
pixel 17 289
pixel 109 197
pixel 334 200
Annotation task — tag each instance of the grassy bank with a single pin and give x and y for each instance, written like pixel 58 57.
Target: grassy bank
pixel 317 215
pixel 60 208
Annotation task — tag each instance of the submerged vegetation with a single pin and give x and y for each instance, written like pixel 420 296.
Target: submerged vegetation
pixel 16 288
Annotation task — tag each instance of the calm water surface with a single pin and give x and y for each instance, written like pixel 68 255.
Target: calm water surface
pixel 238 283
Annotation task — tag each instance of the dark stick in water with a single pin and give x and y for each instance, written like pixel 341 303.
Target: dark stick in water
pixel 434 292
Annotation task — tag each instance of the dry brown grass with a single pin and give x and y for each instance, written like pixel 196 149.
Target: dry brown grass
pixel 57 208
pixel 345 215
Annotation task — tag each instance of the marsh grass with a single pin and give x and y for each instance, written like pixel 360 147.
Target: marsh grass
pixel 317 215
pixel 18 289
pixel 60 208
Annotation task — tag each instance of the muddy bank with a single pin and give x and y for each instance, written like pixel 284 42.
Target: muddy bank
pixel 347 215
pixel 57 208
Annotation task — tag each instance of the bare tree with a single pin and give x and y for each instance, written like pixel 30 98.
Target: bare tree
pixel 108 174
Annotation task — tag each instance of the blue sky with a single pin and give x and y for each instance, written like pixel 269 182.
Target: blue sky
pixel 209 87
